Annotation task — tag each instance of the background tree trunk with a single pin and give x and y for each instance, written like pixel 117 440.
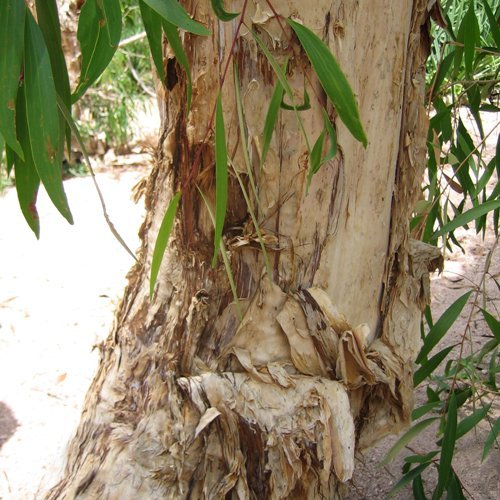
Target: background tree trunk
pixel 189 402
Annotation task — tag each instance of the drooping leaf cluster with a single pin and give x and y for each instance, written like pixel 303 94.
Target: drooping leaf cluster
pixel 463 81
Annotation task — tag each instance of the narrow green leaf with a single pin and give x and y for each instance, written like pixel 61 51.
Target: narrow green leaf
pixel 469 422
pixel 152 25
pixel 459 50
pixel 27 180
pixel 218 8
pixel 9 158
pixel 427 368
pixel 442 325
pixel 447 448
pixel 408 478
pixel 42 116
pixel 2 149
pixel 454 490
pixel 315 158
pixel 48 21
pixel 172 34
pixel 493 323
pixel 332 79
pixel 271 118
pixel 162 241
pixel 468 216
pixel 491 438
pixel 244 148
pixel 99 31
pixel 286 86
pixel 175 14
pixel 220 177
pixel 225 259
pixel 443 71
pixel 497 154
pixel 426 408
pixel 300 107
pixel 495 30
pixel 408 436
pixel 418 488
pixel 332 135
pixel 420 459
pixel 485 177
pixel 280 73
pixel 12 15
pixel 471 35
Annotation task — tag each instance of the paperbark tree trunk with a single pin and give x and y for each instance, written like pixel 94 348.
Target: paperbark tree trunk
pixel 189 402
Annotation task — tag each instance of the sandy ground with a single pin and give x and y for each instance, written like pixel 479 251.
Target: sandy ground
pixel 57 298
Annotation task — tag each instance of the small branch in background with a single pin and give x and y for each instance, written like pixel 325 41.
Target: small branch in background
pixel 132 39
pixel 139 80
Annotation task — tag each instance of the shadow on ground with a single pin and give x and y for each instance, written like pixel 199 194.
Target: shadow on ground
pixel 8 424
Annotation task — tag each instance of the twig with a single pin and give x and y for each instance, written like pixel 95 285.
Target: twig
pixel 132 39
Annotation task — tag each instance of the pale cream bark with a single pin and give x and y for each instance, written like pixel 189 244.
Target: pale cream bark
pixel 191 402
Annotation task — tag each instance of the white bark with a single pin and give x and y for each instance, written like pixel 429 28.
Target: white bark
pixel 188 402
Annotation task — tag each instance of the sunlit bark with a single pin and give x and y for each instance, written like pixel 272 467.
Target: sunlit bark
pixel 189 402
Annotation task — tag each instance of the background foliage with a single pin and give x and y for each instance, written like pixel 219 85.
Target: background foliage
pixel 460 190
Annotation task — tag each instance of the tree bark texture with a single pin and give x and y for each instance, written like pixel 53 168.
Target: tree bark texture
pixel 192 402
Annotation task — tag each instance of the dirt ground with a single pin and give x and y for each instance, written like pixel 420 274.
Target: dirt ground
pixel 57 298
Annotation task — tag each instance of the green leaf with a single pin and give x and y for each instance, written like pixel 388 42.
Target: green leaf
pixel 175 14
pixel 493 323
pixel 447 448
pixel 162 241
pixel 218 8
pixel 175 42
pixel 408 436
pixel 426 408
pixel 271 117
pixel 2 148
pixel 27 179
pixel 468 216
pixel 491 438
pixel 315 158
pixel 497 154
pixel 469 422
pixel 485 177
pixel 420 459
pixel 286 87
pixel 12 15
pixel 418 488
pixel 454 490
pixel 427 368
pixel 152 25
pixel 443 71
pixel 332 79
pixel 495 30
pixel 408 478
pixel 42 116
pixel 280 73
pixel 220 177
pixel 471 35
pixel 48 21
pixel 300 107
pixel 332 135
pixel 442 325
pixel 9 158
pixel 99 31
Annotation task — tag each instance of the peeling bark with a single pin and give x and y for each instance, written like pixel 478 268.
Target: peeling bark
pixel 189 402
